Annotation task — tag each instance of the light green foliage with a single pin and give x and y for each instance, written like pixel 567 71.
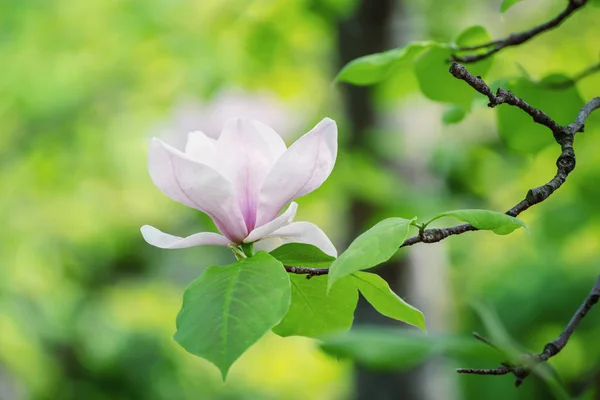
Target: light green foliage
pixel 314 312
pixel 506 4
pixel 378 293
pixel 431 70
pixel 302 255
pixel 494 221
pixel 516 128
pixel 377 67
pixel 371 248
pixel 227 309
pixel 393 349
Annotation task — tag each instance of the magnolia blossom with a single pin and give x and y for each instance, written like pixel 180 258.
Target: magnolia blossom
pixel 243 180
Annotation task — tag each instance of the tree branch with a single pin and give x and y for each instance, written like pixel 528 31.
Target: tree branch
pixel 517 38
pixel 564 136
pixel 523 368
pixel 309 272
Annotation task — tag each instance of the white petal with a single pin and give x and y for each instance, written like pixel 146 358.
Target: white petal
pixel 298 232
pixel 201 148
pixel 263 231
pixel 196 185
pixel 268 244
pixel 275 144
pixel 300 170
pixel 165 241
pixel 246 151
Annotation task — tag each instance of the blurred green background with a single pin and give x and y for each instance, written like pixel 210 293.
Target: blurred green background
pixel 87 308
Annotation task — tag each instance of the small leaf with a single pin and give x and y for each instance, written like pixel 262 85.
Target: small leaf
pixel 506 4
pixel 377 67
pixel 313 312
pixel 454 114
pixel 302 255
pixel 472 36
pixel 378 293
pixel 431 69
pixel 494 221
pixel 373 247
pixel 227 309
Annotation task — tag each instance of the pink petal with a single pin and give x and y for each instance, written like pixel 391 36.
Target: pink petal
pixel 165 241
pixel 300 170
pixel 263 231
pixel 298 232
pixel 196 185
pixel 246 151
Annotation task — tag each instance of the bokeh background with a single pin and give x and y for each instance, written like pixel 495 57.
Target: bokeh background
pixel 87 308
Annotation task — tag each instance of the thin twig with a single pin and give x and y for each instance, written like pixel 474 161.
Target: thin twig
pixel 517 38
pixel 567 83
pixel 484 340
pixel 529 362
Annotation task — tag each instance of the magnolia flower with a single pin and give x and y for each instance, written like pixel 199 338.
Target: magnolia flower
pixel 242 181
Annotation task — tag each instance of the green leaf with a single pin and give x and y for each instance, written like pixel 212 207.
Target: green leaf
pixel 302 255
pixel 506 4
pixel 494 221
pixel 313 312
pixel 377 67
pixel 473 36
pixel 516 128
pixel 392 348
pixel 431 69
pixel 373 247
pixel 453 115
pixel 378 293
pixel 227 309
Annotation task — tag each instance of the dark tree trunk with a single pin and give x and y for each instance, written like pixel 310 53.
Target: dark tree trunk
pixel 369 31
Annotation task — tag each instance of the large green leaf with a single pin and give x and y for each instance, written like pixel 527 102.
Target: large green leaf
pixel 494 221
pixel 506 4
pixel 314 312
pixel 431 69
pixel 373 247
pixel 393 348
pixel 517 129
pixel 378 293
pixel 377 67
pixel 227 309
pixel 302 255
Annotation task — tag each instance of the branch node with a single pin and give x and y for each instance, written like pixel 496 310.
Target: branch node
pixel 566 162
